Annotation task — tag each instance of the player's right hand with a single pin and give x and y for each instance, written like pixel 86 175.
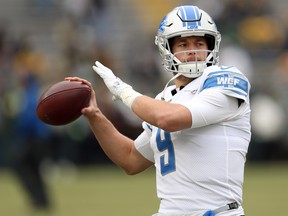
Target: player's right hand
pixel 93 107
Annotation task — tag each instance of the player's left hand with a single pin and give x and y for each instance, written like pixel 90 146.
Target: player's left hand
pixel 116 86
pixel 113 83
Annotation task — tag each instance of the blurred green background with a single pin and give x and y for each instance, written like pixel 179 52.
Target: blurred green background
pixel 106 190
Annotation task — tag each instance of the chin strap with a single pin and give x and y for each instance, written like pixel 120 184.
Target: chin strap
pixel 184 69
pixel 193 69
pixel 164 91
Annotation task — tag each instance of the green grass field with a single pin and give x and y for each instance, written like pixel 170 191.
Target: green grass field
pixel 108 191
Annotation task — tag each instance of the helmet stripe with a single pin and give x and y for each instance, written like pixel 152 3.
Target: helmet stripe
pixel 190 16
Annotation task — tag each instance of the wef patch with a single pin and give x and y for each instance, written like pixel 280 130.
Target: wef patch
pixel 229 82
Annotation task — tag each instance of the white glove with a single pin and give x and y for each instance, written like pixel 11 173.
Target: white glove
pixel 116 86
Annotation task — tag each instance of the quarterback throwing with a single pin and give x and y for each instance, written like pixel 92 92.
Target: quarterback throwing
pixel 196 132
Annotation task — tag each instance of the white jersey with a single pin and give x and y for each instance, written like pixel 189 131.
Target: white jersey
pixel 202 167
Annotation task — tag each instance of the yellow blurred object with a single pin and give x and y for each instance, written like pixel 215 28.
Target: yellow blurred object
pixel 153 13
pixel 35 63
pixel 261 31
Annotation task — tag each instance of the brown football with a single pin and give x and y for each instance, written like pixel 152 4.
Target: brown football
pixel 62 103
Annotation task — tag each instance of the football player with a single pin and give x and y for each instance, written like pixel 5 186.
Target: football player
pixel 196 131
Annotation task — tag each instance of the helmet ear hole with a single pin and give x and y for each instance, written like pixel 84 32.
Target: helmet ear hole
pixel 170 42
pixel 210 41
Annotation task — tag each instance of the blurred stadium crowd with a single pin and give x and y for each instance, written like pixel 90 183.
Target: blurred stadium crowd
pixel 43 41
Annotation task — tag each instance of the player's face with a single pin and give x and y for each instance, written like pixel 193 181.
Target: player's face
pixel 195 45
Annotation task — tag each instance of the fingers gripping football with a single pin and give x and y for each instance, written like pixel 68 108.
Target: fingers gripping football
pixel 116 86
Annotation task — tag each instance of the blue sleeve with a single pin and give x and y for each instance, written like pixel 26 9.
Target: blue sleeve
pixel 230 82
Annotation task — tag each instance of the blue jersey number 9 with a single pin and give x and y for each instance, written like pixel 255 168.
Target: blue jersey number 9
pixel 166 145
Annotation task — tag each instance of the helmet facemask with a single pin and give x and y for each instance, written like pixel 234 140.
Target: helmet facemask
pixel 186 67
